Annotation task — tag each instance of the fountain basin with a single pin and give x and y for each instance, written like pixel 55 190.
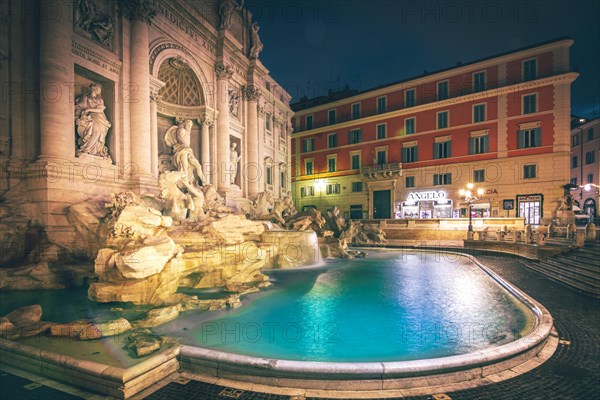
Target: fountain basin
pixel 370 373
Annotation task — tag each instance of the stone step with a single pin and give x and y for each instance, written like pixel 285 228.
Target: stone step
pixel 581 258
pixel 564 279
pixel 594 251
pixel 571 268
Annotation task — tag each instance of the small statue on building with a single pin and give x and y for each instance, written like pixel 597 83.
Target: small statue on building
pixel 257 44
pixel 234 102
pixel 96 23
pixel 226 10
pixel 234 159
pixel 92 124
pixel 178 137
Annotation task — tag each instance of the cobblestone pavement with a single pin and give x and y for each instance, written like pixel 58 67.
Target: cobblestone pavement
pixel 572 373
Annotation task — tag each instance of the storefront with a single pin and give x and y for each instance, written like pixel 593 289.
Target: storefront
pixel 423 205
pixel 529 206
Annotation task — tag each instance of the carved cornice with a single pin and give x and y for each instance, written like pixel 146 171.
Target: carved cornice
pixel 154 96
pixel 207 116
pixel 251 93
pixel 139 10
pixel 223 71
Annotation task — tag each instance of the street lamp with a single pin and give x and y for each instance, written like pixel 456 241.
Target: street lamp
pixel 469 196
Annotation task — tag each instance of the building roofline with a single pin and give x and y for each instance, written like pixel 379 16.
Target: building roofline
pixel 320 100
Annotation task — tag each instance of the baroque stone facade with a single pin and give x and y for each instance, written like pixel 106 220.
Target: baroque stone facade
pixel 144 66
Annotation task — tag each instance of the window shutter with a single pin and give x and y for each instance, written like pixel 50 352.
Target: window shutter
pixel 471 145
pixel 404 154
pixel 449 180
pixel 416 154
pixel 449 148
pixel 486 144
pixel 435 180
pixel 538 137
pixel 521 139
pixel 436 150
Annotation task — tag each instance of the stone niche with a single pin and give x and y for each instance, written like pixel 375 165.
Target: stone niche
pixel 83 78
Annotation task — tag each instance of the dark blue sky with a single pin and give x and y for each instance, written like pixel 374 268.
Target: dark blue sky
pixel 313 45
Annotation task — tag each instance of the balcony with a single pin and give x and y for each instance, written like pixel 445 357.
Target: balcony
pixel 382 171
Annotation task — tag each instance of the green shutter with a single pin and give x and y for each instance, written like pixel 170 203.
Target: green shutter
pixel 449 149
pixel 537 137
pixel 486 144
pixel 521 139
pixel 436 151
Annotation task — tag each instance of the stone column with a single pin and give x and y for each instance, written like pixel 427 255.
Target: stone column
pixel 252 168
pixel 154 98
pixel 205 123
pixel 140 12
pixel 224 73
pixel 57 72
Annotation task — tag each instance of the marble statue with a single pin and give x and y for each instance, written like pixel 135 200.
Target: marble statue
pixel 178 137
pixel 234 159
pixel 97 24
pixel 257 44
pixel 226 10
pixel 92 124
pixel 234 102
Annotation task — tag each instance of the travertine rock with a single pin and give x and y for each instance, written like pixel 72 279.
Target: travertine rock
pixel 142 342
pixel 233 229
pixel 25 315
pixel 90 330
pixel 305 220
pixel 5 325
pixel 157 316
pixel 149 259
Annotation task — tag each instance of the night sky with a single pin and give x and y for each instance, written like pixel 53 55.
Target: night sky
pixel 311 46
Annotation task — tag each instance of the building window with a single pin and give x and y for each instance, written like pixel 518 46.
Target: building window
pixel 331 117
pixel 442 90
pixel 355 136
pixel 574 181
pixel 381 105
pixel 442 149
pixel 356 211
pixel 574 162
pixel 479 113
pixel 479 144
pixel 356 111
pixel 381 131
pixel 332 140
pixel 410 98
pixel 309 144
pixel 530 70
pixel 333 188
pixel 409 154
pixel 442 179
pixel 268 175
pixel 409 182
pixel 479 81
pixel 282 179
pixel 355 161
pixel 529 171
pixel 332 164
pixel 357 186
pixel 309 122
pixel 381 157
pixel 574 140
pixel 409 125
pixel 590 157
pixel 442 119
pixel 530 138
pixel 307 191
pixel 590 178
pixel 590 134
pixel 308 167
pixel 530 103
pixel 479 175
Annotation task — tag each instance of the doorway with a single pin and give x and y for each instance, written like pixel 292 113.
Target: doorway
pixel 382 204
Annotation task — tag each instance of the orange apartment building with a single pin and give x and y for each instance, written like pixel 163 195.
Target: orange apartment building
pixel 404 150
pixel 585 164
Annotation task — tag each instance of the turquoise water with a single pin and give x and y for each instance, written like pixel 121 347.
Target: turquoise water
pixel 391 306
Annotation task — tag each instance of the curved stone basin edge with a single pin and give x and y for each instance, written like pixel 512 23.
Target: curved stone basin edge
pixel 251 368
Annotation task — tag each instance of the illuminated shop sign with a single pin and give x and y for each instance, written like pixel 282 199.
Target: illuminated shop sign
pixel 420 196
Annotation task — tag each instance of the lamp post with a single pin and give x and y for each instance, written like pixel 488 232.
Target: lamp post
pixel 468 195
